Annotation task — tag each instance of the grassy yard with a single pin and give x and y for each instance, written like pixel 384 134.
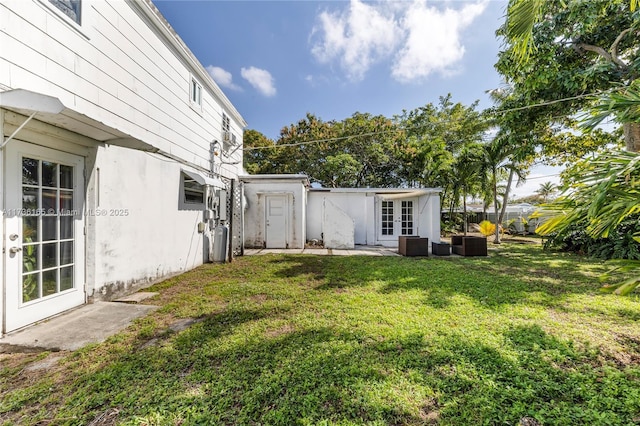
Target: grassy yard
pixel 522 335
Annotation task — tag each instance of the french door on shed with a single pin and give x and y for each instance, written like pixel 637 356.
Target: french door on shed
pixel 396 218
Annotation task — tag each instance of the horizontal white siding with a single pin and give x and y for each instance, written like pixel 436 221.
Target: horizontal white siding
pixel 117 69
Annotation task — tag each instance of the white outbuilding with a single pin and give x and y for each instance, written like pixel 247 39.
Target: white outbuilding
pixel 283 211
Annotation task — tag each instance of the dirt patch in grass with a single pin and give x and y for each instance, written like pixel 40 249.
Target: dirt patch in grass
pixel 280 331
pixel 630 355
pixel 258 298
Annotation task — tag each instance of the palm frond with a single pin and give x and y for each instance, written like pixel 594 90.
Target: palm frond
pixel 522 15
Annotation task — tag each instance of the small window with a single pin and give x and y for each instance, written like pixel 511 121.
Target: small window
pixel 70 8
pixel 193 191
pixel 196 93
pixel 226 133
pixel 226 123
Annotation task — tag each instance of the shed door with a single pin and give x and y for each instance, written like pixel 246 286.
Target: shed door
pixel 277 221
pixel 396 217
pixel 44 242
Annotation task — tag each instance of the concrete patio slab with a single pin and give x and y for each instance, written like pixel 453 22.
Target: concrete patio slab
pixel 92 323
pixel 357 251
pixel 317 251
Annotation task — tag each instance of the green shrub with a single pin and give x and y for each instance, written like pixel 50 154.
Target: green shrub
pixel 618 245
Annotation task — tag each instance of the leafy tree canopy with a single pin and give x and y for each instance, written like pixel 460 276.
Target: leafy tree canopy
pixel 580 48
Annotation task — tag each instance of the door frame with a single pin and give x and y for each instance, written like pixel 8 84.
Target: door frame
pixel 12 303
pixel 397 220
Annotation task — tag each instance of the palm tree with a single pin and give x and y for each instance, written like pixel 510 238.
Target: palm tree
pixel 546 189
pixel 501 161
pixel 465 176
pixel 493 167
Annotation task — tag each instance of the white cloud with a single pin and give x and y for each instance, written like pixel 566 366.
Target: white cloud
pixel 222 77
pixel 358 37
pixel 418 39
pixel 260 79
pixel 433 40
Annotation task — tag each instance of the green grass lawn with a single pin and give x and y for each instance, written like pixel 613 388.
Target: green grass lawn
pixel 333 340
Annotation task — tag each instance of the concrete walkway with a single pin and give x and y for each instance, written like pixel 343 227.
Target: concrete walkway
pixel 357 251
pixel 91 323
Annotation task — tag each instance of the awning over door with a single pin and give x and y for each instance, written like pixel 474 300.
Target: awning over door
pixel 52 111
pixel 406 194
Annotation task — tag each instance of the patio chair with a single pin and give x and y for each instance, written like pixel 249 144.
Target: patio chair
pixel 468 245
pixel 413 246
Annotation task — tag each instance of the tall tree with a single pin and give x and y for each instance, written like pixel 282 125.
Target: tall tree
pixel 258 153
pixel 545 190
pixel 466 175
pixel 564 51
pixel 359 151
pixel 499 162
pixel 437 135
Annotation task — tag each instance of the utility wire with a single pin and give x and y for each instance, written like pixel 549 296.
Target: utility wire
pixel 499 112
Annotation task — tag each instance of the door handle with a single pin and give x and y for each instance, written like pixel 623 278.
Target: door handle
pixel 14 250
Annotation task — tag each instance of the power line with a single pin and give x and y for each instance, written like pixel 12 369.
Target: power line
pixel 499 112
pixel 542 177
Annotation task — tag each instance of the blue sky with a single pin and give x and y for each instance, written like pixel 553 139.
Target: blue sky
pixel 279 60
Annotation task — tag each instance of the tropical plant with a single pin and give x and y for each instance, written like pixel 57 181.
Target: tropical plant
pixel 487 228
pixel 619 244
pixel 623 104
pixel 601 193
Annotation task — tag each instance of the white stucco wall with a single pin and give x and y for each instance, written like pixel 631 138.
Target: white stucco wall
pixel 338 227
pixel 353 204
pixel 429 216
pixel 140 230
pixel 121 73
pixel 362 206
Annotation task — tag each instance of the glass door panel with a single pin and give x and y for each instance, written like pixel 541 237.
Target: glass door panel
pixel 48 236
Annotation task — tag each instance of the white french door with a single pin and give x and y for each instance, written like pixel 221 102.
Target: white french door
pixel 44 240
pixel 396 218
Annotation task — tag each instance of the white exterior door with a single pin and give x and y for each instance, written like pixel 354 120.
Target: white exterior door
pixel 44 239
pixel 277 221
pixel 396 218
